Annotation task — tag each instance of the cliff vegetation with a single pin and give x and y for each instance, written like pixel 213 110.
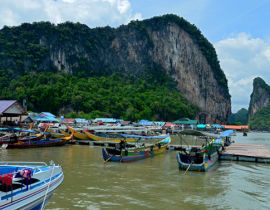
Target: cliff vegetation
pixel 110 96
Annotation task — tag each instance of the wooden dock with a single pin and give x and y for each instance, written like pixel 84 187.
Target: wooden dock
pixel 246 152
pixel 181 147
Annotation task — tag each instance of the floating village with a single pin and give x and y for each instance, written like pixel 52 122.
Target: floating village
pixel 29 185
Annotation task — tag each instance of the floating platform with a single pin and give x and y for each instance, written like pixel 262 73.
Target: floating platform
pixel 96 143
pixel 101 143
pixel 181 147
pixel 246 152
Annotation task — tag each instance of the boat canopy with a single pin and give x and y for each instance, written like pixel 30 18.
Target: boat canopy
pixel 218 142
pixel 226 133
pixel 201 126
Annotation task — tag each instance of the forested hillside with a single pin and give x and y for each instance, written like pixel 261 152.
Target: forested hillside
pixel 93 97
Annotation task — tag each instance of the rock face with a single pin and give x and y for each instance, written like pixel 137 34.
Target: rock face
pixel 157 48
pixel 260 96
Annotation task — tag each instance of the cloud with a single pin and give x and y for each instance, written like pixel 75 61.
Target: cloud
pixel 91 12
pixel 243 58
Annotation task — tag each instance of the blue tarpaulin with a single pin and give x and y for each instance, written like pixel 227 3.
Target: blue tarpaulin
pixel 46 114
pixel 145 123
pixel 217 126
pixel 46 119
pixel 226 133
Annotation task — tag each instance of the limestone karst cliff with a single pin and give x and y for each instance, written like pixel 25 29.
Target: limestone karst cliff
pixel 260 96
pixel 259 106
pixel 157 48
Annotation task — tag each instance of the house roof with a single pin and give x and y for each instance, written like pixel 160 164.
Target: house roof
pixel 5 104
pixel 145 123
pixel 11 108
pixel 46 114
pixel 236 127
pixel 186 121
pixel 105 120
pixel 68 120
pixel 169 124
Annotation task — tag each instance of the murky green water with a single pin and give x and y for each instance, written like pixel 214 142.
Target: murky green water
pixel 152 183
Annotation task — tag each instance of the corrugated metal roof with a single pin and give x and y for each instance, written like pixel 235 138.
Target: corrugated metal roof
pixel 105 120
pixel 186 122
pixel 236 127
pixel 5 104
pixel 46 114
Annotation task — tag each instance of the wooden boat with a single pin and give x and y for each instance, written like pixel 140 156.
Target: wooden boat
pixel 36 137
pixel 145 137
pixel 28 185
pixel 65 133
pixel 12 137
pixel 136 153
pixel 199 159
pixel 57 135
pixel 109 139
pixel 78 134
pixel 68 138
pixel 8 138
pixel 33 144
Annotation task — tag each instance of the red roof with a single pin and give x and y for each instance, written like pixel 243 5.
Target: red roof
pixel 68 120
pixel 236 127
pixel 169 124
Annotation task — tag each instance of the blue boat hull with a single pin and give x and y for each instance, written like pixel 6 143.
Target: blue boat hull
pixel 118 158
pixel 43 181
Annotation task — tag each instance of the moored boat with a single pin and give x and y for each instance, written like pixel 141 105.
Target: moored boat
pixel 94 137
pixel 28 185
pixel 34 144
pixel 142 151
pixel 199 159
pixel 80 135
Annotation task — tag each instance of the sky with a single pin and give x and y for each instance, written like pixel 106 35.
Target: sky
pixel 238 29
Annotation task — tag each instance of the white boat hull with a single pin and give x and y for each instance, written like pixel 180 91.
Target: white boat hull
pixel 35 197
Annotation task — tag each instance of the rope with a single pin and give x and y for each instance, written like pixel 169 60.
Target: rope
pixel 43 203
pixel 188 167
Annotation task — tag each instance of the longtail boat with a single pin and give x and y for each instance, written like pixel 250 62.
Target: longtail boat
pixel 33 144
pixel 135 153
pixel 109 139
pixel 64 133
pixel 199 159
pixel 13 139
pixel 68 138
pixel 57 135
pixel 28 185
pixel 78 134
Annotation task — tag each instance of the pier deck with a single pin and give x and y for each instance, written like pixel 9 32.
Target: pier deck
pixel 246 152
